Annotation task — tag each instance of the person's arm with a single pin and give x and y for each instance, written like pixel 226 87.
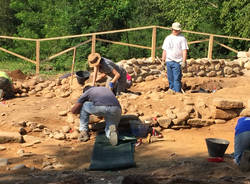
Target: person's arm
pixel 184 58
pixel 96 69
pixel 76 109
pixel 101 76
pixel 116 76
pixel 164 55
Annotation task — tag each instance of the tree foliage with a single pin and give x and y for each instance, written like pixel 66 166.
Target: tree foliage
pixel 51 18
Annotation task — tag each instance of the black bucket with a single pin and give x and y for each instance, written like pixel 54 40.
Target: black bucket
pixel 216 147
pixel 82 76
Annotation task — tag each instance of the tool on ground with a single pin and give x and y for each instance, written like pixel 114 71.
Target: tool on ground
pixel 215 159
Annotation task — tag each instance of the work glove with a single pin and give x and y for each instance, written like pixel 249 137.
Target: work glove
pixel 111 85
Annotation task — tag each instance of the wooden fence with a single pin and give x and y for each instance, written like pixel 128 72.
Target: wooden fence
pixel 93 39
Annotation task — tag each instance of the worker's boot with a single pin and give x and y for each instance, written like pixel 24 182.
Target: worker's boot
pixel 113 136
pixel 84 136
pixel 245 161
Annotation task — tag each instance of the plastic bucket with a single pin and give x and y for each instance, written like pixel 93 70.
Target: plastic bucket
pixel 139 129
pixel 82 76
pixel 216 147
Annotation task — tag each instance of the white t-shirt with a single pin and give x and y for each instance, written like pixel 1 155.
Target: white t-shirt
pixel 174 45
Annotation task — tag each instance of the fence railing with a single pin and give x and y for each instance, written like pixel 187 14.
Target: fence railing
pixel 94 38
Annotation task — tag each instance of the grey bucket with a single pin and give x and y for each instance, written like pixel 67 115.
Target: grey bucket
pixel 82 76
pixel 216 147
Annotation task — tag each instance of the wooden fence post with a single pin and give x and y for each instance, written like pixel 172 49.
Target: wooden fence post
pixel 37 56
pixel 210 47
pixel 93 43
pixel 153 48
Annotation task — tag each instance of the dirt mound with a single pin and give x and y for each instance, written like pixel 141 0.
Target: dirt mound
pixel 17 75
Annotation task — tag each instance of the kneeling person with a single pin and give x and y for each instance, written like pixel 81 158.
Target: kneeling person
pixel 6 86
pixel 99 101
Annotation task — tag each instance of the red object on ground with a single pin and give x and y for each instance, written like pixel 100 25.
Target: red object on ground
pixel 215 159
pixel 139 142
pixel 129 77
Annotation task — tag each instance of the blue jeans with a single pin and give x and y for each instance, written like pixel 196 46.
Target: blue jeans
pixel 241 143
pixel 111 114
pixel 174 75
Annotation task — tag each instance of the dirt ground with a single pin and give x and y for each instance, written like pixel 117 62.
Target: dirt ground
pixel 183 160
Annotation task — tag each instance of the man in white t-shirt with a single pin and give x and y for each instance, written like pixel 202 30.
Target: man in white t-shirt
pixel 175 54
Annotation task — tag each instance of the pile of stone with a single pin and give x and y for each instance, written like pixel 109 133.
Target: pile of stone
pixel 39 86
pixel 199 114
pixel 145 69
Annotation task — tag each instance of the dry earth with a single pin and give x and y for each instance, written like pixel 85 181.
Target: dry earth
pixel 181 161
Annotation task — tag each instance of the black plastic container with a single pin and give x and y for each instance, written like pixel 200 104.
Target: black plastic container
pixel 82 76
pixel 216 147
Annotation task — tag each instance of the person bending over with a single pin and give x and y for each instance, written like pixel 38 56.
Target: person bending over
pixel 99 101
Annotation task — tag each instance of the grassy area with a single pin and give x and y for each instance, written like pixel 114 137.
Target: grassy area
pixel 48 68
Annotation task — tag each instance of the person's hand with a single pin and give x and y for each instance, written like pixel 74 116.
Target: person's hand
pixel 111 85
pixel 184 66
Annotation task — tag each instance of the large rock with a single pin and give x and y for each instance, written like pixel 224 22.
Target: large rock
pixel 223 114
pixel 7 137
pixel 164 122
pixel 227 104
pixel 200 122
pixel 245 112
pixel 247 65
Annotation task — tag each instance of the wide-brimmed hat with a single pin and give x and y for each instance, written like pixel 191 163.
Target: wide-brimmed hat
pixel 94 59
pixel 176 26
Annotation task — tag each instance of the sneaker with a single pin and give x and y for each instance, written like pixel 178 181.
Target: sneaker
pixel 113 136
pixel 84 136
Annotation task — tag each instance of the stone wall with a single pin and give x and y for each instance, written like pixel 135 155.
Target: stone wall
pixel 144 69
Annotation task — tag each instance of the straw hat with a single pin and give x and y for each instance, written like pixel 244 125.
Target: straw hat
pixel 94 59
pixel 176 26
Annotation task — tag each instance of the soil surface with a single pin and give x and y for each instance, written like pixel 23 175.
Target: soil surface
pixel 181 158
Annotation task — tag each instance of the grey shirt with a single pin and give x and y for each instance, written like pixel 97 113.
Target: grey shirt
pixel 100 96
pixel 106 66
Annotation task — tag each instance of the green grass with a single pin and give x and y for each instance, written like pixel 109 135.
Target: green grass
pixel 56 67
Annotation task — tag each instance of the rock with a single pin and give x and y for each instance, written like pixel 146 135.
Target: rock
pixel 7 137
pixel 95 119
pixel 18 167
pixel 220 121
pixel 3 162
pixel 2 148
pixel 74 134
pixel 50 95
pixel 37 130
pixel 211 74
pixel 36 142
pixel 227 104
pixel 59 136
pixel 66 129
pixel 223 114
pixel 24 145
pixel 63 113
pixel 245 112
pixel 201 73
pixel 181 118
pixel 149 78
pixel 200 122
pixel 247 65
pixel 228 70
pixel 164 122
pixel 170 114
